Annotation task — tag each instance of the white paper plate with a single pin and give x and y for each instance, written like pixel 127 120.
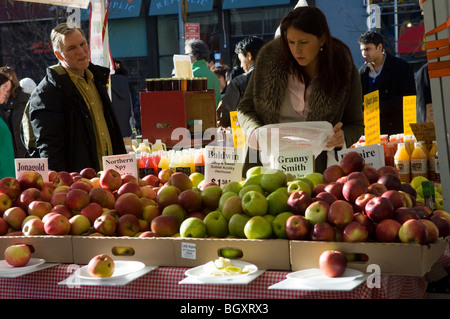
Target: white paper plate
pixel 122 268
pixel 315 275
pixel 203 274
pixel 34 262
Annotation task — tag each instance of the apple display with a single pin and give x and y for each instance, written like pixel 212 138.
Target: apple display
pixel 101 266
pixel 297 227
pixel 62 178
pixel 254 204
pixel 128 225
pixel 232 186
pixel 332 173
pixel 387 230
pixel 317 212
pixel 441 213
pixel 5 203
pixel 10 186
pixel 193 227
pixel 30 179
pixel 164 225
pixel 79 224
pixel 358 175
pixel 333 263
pixel 57 225
pixel 365 221
pixel 105 224
pixel 379 208
pixel 340 213
pixel 110 179
pixel 17 255
pixel 248 188
pixel 354 188
pixel 355 232
pixel 413 231
pixel 316 178
pixel 236 225
pixel 151 180
pixel 407 188
pixel 99 195
pixel 323 231
pixel 298 201
pixel 257 227
pixel 83 184
pixel 147 234
pixel 319 188
pixel 402 214
pixel 33 227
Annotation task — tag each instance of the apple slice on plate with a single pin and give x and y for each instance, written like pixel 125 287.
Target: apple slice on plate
pixel 122 268
pixel 208 271
pixel 34 262
pixel 316 275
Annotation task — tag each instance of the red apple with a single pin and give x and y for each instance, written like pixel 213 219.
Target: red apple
pixel 323 231
pixel 63 178
pixel 297 227
pixel 442 224
pixel 387 230
pixel 62 209
pixel 388 169
pixel 402 214
pixel 151 180
pixel 5 203
pixel 88 173
pixel 128 178
pixel 298 201
pixel 353 188
pixel 319 188
pixel 147 234
pixel 39 208
pixel 340 213
pixel 379 208
pixel 58 199
pixel 79 225
pixel 164 175
pixel 358 175
pixel 101 266
pixel 433 230
pixel 352 162
pixel 361 201
pixel 369 224
pixel 33 227
pixel 30 179
pixel 130 187
pixel 190 200
pixel 77 199
pixel 164 225
pixel 10 186
pixel 27 196
pixel 355 232
pixel 99 195
pixel 18 255
pixel 105 224
pixel 371 173
pixel 148 192
pixel 128 225
pixel 180 180
pixel 407 188
pixel 167 195
pixel 128 203
pixel 333 263
pixel 442 213
pixel 413 231
pixel 332 173
pixel 328 198
pixel 377 189
pixel 335 188
pixel 397 198
pixel 92 211
pixel 57 224
pixel 391 181
pixel 83 184
pixel 3 227
pixel 14 217
pixel 47 191
pixel 110 179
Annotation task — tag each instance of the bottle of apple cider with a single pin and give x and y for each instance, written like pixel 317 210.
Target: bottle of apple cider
pixel 419 161
pixel 402 163
pixel 164 161
pixel 431 162
pixel 199 161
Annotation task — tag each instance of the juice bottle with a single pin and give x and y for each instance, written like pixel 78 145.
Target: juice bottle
pixel 164 161
pixel 199 161
pixel 175 161
pixel 159 146
pixel 402 163
pixel 185 166
pixel 431 164
pixel 141 163
pixel 150 167
pixel 390 153
pixel 419 161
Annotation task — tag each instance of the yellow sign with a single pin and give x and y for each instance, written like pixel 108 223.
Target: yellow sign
pixel 238 135
pixel 409 113
pixel 372 118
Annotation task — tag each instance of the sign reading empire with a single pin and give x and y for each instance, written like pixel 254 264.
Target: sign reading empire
pixel 158 7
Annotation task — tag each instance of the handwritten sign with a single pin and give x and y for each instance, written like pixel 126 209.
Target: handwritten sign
pixel 238 134
pixel 223 164
pixel 424 131
pixel 372 154
pixel 124 164
pixel 372 118
pixel 182 66
pixel 299 164
pixel 409 113
pixel 39 165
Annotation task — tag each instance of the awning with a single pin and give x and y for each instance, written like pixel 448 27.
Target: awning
pixel 160 7
pixel 412 40
pixel 119 9
pixel 236 4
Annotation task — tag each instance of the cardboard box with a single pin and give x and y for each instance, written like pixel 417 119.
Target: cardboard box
pixel 164 111
pixel 392 258
pixel 53 249
pixel 265 254
pixel 152 251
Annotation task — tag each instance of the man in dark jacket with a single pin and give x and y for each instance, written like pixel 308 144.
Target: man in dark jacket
pixel 391 76
pixel 70 111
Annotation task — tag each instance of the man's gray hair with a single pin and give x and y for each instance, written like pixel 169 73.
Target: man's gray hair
pixel 197 49
pixel 59 31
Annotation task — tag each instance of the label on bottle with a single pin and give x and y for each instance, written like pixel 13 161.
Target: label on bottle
pixel 403 168
pixel 419 167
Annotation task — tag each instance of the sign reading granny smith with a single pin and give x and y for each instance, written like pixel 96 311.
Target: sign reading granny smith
pixel 299 164
pixel 223 164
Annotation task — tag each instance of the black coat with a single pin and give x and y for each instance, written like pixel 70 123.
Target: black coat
pixel 395 81
pixel 62 123
pixel 423 93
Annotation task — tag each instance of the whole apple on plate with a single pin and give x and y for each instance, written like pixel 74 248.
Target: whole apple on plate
pixel 101 266
pixel 333 263
pixel 18 255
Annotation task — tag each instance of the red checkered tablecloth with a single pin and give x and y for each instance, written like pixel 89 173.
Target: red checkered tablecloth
pixel 163 283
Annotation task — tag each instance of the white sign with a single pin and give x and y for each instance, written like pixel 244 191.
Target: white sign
pixel 299 164
pixel 124 164
pixel 223 164
pixel 372 154
pixel 39 165
pixel 183 66
pixel 81 3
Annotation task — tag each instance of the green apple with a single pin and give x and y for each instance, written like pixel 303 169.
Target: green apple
pixel 245 189
pixel 236 225
pixel 193 227
pixel 232 186
pixel 316 178
pixel 255 170
pixel 317 212
pixel 231 253
pixel 279 224
pixel 254 204
pixel 224 197
pixel 439 203
pixel 298 185
pixel 196 178
pixel 417 181
pixel 277 201
pixel 231 206
pixel 216 224
pixel 253 180
pixel 269 218
pixel 258 227
pixel 273 179
pixel 211 196
pixel 177 211
pixel 419 191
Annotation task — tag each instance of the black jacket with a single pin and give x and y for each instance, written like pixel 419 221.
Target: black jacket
pixel 395 81
pixel 62 124
pixel 423 93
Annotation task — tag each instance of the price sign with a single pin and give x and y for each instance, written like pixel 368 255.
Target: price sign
pixel 124 164
pixel 223 164
pixel 372 118
pixel 39 165
pixel 238 134
pixel 409 113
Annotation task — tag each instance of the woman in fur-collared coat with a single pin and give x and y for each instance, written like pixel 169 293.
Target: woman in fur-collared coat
pixel 304 75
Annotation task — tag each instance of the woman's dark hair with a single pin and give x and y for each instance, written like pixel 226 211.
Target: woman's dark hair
pixel 333 71
pixel 3 79
pixel 11 75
